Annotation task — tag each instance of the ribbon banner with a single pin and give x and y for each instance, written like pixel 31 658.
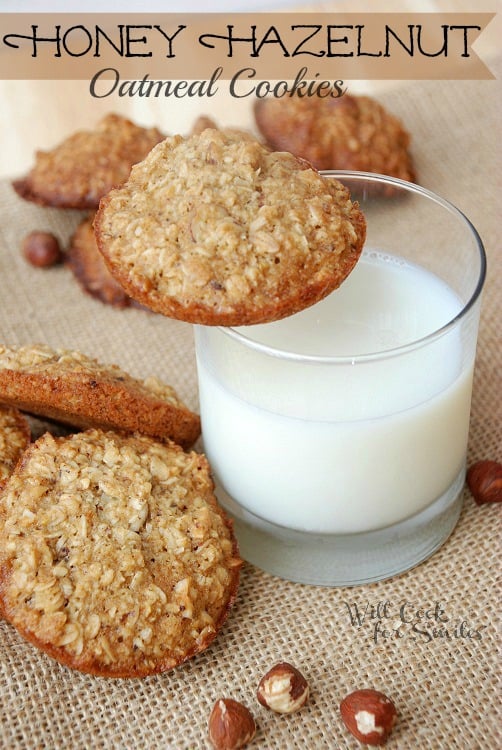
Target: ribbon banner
pixel 152 54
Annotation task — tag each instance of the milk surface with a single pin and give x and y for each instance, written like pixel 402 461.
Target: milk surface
pixel 385 302
pixel 341 445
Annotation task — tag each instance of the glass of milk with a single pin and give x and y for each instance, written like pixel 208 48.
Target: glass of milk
pixel 338 436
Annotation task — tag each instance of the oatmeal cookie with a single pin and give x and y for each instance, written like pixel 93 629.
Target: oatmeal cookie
pixel 87 265
pixel 219 230
pixel 115 558
pixel 69 387
pixel 348 132
pixel 15 437
pixel 85 166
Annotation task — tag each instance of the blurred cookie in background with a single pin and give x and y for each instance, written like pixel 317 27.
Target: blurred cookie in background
pixel 89 268
pixel 87 164
pixel 345 132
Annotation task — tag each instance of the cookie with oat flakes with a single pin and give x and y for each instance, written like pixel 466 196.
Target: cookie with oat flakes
pixel 219 230
pixel 115 558
pixel 87 164
pixel 69 387
pixel 347 133
pixel 15 436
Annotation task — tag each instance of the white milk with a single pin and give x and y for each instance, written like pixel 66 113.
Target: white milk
pixel 345 445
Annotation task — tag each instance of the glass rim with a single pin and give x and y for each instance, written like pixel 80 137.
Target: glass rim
pixel 403 348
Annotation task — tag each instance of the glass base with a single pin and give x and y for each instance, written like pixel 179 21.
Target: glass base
pixel 345 559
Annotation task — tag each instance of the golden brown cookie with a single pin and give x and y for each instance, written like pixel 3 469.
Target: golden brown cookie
pixel 115 558
pixel 85 166
pixel 15 437
pixel 348 132
pixel 219 230
pixel 89 268
pixel 74 389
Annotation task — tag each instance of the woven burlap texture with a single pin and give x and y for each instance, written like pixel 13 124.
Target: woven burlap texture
pixel 442 674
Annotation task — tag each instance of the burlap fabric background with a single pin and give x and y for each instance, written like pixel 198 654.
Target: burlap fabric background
pixel 442 675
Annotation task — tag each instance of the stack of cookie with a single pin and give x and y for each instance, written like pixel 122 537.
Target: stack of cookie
pixel 115 557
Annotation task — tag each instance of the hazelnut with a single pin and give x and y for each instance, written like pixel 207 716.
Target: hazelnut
pixel 231 725
pixel 369 715
pixel 283 689
pixel 484 480
pixel 41 249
